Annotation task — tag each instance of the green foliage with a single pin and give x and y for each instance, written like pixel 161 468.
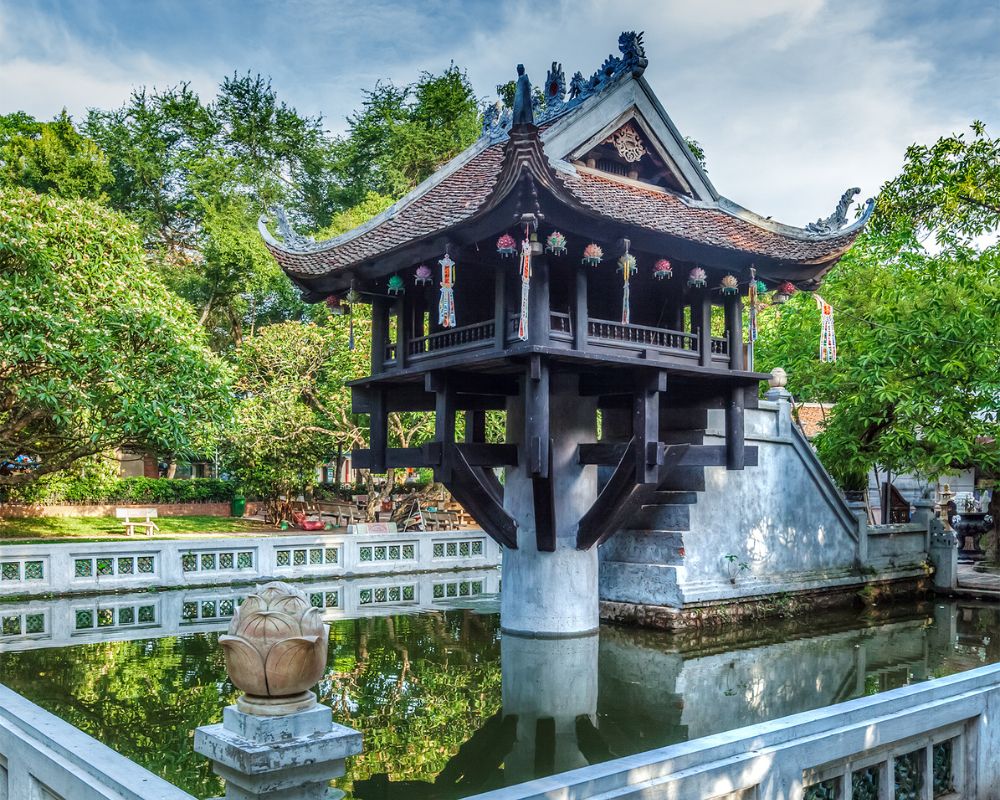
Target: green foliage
pixel 917 378
pixel 51 157
pixel 95 352
pixel 403 133
pixel 91 488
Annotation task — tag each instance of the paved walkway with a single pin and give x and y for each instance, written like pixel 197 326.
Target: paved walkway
pixel 979 584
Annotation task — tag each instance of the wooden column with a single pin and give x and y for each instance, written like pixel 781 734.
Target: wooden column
pixel 539 313
pixel 705 328
pixel 378 431
pixel 404 327
pixel 475 426
pixel 735 442
pixel 646 425
pixel 734 326
pixel 500 304
pixel 444 423
pixel 582 311
pixel 380 333
pixel 536 417
pixel 675 310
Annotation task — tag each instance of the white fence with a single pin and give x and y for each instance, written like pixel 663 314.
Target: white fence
pixel 64 621
pixel 938 739
pixel 122 565
pixel 44 758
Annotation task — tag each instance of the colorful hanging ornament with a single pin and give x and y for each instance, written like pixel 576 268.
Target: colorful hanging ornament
pixel 335 305
pixel 697 278
pixel 396 285
pixel 592 255
pixel 525 267
pixel 626 266
pixel 730 285
pixel 755 287
pixel 352 299
pixel 760 286
pixel 446 305
pixel 506 246
pixel 555 244
pixel 423 276
pixel 786 290
pixel 827 338
pixel 662 270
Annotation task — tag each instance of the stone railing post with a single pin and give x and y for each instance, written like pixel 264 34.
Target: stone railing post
pixel 277 742
pixel 942 552
pixel 857 508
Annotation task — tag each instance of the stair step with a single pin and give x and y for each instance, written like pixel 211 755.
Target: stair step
pixel 662 517
pixel 675 498
pixel 644 547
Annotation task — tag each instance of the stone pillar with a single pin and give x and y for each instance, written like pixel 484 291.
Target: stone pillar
pixel 781 396
pixel 291 757
pixel 552 594
pixel 550 686
pixel 857 508
pixel 943 554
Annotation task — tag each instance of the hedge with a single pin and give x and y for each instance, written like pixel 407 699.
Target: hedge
pixel 130 490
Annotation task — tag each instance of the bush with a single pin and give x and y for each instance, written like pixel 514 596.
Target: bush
pixel 101 489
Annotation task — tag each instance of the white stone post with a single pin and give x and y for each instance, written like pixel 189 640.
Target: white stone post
pixel 552 594
pixel 942 552
pixel 277 742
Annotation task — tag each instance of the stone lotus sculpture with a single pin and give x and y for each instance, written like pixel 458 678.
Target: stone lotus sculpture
pixel 276 650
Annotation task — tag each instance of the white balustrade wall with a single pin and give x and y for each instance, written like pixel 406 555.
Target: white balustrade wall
pixel 937 739
pixel 140 563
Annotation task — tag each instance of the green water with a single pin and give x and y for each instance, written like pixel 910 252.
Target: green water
pixel 441 721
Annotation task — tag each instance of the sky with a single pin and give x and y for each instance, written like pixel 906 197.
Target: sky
pixel 793 101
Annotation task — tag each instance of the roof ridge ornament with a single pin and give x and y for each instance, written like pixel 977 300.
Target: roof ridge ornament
pixel 524 112
pixel 838 219
pixel 292 239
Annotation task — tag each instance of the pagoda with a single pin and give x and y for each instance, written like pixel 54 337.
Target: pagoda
pixel 574 262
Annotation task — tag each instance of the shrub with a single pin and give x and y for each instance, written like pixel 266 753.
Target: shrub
pixel 101 489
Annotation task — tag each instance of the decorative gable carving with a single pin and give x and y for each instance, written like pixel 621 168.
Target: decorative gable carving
pixel 627 142
pixel 631 151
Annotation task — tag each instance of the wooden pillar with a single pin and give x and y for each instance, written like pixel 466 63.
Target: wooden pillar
pixel 735 442
pixel 404 327
pixel 475 426
pixel 734 326
pixel 646 425
pixel 444 424
pixel 539 313
pixel 378 431
pixel 380 333
pixel 705 329
pixel 582 311
pixel 500 305
pixel 675 311
pixel 536 417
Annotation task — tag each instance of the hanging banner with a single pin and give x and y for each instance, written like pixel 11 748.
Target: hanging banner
pixel 522 324
pixel 446 306
pixel 827 338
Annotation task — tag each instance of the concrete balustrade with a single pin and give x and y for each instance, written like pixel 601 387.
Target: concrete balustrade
pixel 122 565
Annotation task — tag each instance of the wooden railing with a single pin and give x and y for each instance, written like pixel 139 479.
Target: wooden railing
pixel 390 353
pixel 453 339
pixel 720 347
pixel 561 323
pixel 641 335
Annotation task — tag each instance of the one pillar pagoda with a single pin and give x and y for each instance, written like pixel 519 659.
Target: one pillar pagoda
pixel 574 267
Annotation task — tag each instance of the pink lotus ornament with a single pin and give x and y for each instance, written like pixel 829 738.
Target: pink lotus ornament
pixel 556 244
pixel 730 285
pixel 786 290
pixel 697 278
pixel 276 650
pixel 423 276
pixel 506 246
pixel 592 255
pixel 662 270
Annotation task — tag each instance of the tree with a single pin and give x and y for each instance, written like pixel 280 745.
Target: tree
pixel 294 409
pixel 403 133
pixel 916 385
pixel 95 352
pixel 51 157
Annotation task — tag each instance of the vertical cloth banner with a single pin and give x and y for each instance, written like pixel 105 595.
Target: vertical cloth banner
pixel 446 306
pixel 522 324
pixel 827 338
pixel 752 322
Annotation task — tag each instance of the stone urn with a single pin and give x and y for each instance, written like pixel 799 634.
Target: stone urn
pixel 276 650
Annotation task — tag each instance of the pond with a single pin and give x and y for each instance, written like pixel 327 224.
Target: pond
pixel 449 708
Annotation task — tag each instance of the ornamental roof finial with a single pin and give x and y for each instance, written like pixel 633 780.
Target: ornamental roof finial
pixel 522 99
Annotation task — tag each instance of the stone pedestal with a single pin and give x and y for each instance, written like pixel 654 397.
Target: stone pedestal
pixel 293 757
pixel 550 686
pixel 942 552
pixel 552 594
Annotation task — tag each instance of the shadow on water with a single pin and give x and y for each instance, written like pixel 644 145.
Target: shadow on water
pixel 448 709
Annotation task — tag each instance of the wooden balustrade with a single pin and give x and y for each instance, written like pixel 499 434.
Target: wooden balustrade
pixel 479 333
pixel 641 335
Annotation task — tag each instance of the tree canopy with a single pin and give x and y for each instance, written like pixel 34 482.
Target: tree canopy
pixel 95 352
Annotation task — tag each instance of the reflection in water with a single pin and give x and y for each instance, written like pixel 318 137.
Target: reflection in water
pixel 442 720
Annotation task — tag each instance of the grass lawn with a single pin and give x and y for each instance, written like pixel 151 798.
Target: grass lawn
pixel 99 528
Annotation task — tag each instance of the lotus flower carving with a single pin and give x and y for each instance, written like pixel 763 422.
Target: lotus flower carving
pixel 276 650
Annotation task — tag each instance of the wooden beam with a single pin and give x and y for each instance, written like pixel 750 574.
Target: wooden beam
pixel 471 488
pixel 544 504
pixel 404 329
pixel 734 329
pixel 500 305
pixel 705 329
pixel 412 397
pixel 475 426
pixel 581 317
pixel 481 454
pixel 536 417
pixel 444 426
pixel 539 311
pixel 646 425
pixel 430 455
pixel 735 441
pixel 378 432
pixel 479 383
pixel 606 454
pixel 621 496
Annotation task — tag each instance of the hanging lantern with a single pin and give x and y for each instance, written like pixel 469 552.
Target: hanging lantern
pixel 446 305
pixel 352 299
pixel 506 246
pixel 662 270
pixel 761 287
pixel 626 266
pixel 827 338
pixel 786 290
pixel 592 255
pixel 730 285
pixel 423 276
pixel 697 278
pixel 335 305
pixel 556 244
pixel 396 285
